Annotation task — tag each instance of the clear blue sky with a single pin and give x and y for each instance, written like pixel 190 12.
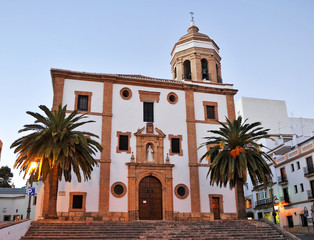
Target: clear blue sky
pixel 267 48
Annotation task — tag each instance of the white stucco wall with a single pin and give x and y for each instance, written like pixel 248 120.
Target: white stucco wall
pixel 70 86
pixel 271 113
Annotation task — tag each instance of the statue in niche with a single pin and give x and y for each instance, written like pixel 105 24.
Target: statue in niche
pixel 150 154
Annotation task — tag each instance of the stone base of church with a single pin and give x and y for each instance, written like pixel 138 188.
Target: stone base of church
pixel 126 216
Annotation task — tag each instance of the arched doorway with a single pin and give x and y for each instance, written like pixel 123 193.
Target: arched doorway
pixel 150 199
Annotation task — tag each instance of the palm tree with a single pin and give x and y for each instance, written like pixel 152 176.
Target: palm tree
pixel 238 153
pixel 58 148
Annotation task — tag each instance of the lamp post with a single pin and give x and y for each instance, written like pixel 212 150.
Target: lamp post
pixel 273 199
pixel 31 179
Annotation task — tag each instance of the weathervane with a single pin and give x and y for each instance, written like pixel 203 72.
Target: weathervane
pixel 192 13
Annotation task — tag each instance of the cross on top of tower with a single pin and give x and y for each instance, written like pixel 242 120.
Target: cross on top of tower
pixel 192 16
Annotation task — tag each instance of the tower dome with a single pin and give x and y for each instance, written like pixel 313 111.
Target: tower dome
pixel 195 57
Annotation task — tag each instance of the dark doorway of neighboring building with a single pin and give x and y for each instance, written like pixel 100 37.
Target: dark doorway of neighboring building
pixel 312 188
pixel 260 215
pixel 150 199
pixel 303 220
pixel 216 207
pixel 286 195
pixel 290 221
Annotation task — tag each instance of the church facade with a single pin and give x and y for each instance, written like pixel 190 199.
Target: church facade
pixel 150 130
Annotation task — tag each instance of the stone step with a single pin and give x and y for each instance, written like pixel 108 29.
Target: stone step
pixel 152 230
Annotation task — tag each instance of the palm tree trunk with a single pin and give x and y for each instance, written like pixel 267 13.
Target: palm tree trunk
pixel 53 194
pixel 241 199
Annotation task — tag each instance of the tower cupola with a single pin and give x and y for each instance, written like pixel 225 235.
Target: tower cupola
pixel 195 57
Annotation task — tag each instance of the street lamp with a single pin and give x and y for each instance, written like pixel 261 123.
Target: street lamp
pixel 31 179
pixel 273 200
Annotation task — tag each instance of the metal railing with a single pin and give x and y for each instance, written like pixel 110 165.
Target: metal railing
pixel 282 180
pixel 263 202
pixel 309 169
pixel 310 194
pixel 287 199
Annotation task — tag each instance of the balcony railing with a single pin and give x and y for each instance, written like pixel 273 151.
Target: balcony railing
pixel 282 180
pixel 263 202
pixel 285 199
pixel 308 170
pixel 310 194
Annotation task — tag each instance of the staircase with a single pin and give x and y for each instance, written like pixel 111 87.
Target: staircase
pixel 235 229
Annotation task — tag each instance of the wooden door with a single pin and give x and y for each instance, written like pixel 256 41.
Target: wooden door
pixel 216 207
pixel 150 199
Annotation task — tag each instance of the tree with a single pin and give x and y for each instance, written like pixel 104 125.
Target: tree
pixel 5 177
pixel 239 153
pixel 58 148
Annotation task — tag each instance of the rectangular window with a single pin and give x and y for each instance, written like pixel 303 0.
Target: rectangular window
pixel 175 145
pixel 298 165
pixel 292 167
pixel 295 188
pixel 302 187
pixel 148 108
pixel 123 142
pixel 77 202
pixel 82 103
pixel 210 111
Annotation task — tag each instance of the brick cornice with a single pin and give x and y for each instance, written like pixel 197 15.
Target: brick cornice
pixel 143 81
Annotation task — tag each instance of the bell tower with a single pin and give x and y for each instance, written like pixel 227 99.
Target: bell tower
pixel 195 57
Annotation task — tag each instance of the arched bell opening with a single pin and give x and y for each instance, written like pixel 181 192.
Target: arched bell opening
pixel 187 70
pixel 205 75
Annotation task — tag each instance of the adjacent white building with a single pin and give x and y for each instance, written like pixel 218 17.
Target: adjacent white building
pixel 14 203
pixel 292 149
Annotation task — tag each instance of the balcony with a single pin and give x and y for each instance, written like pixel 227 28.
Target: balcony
pixel 310 195
pixel 309 171
pixel 263 202
pixel 285 199
pixel 282 180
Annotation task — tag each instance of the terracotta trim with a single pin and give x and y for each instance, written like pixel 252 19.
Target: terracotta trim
pixel 170 136
pixel 159 83
pixel 186 191
pixel 230 107
pixel 126 89
pixel 211 104
pixel 105 161
pixel 83 209
pixel 89 94
pixel 172 94
pixel 89 113
pixel 287 160
pixel 147 95
pixel 192 153
pixel 221 206
pixel 124 189
pixel 129 137
pixel 307 147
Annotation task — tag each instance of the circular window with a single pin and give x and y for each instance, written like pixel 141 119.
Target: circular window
pixel 126 93
pixel 172 98
pixel 181 191
pixel 118 189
